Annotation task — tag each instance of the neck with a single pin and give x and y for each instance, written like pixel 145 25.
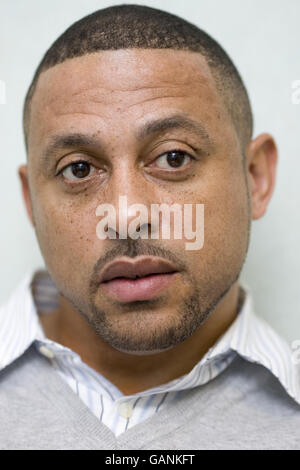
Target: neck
pixel 135 373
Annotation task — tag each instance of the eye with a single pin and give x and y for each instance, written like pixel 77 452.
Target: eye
pixel 77 170
pixel 173 159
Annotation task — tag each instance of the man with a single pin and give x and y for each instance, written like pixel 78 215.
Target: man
pixel 138 342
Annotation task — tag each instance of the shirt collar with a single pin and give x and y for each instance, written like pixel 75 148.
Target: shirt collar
pixel 249 335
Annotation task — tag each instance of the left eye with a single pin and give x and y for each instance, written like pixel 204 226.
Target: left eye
pixel 173 159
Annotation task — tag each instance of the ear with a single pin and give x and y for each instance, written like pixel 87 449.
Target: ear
pixel 261 163
pixel 23 175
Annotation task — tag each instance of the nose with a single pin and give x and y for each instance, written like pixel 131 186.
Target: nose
pixel 129 198
pixel 131 219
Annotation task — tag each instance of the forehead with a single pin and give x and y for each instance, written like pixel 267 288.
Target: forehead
pixel 106 85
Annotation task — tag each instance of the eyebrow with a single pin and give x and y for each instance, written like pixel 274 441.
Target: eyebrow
pixel 177 121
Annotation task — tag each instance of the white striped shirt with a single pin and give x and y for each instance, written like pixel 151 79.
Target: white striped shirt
pixel 248 335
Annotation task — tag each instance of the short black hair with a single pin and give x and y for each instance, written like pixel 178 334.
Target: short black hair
pixel 135 26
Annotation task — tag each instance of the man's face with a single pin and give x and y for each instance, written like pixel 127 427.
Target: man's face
pixel 109 97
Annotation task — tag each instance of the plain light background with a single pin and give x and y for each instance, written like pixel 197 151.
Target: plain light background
pixel 263 39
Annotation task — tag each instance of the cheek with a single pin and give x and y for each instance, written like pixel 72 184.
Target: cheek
pixel 67 236
pixel 227 217
pixel 226 221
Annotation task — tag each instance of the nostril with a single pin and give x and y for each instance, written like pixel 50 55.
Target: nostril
pixel 145 227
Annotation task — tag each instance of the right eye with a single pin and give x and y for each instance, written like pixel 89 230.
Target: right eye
pixel 77 170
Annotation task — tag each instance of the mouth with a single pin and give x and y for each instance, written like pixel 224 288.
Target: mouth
pixel 144 278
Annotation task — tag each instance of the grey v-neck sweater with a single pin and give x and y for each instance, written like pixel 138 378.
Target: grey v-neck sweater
pixel 245 407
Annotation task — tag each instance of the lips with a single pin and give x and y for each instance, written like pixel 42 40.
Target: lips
pixel 133 269
pixel 140 279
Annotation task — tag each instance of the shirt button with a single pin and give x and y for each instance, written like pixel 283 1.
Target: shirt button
pixel 125 410
pixel 46 352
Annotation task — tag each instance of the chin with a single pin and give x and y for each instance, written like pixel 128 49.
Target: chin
pixel 142 352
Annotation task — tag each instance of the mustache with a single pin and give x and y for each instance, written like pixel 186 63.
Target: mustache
pixel 132 248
